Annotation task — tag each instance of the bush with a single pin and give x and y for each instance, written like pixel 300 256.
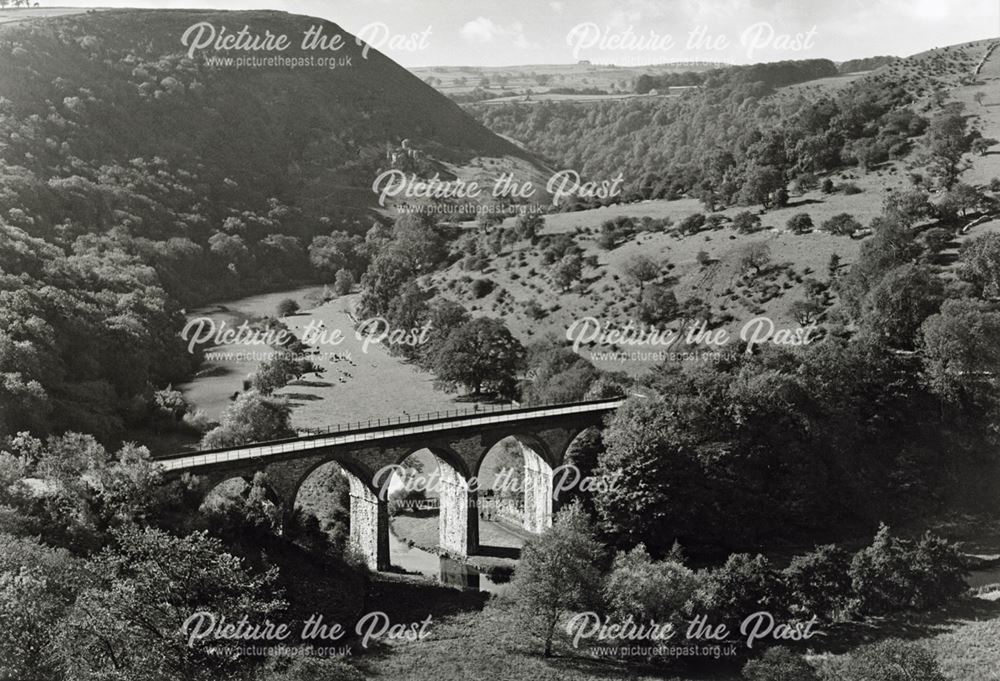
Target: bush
pixel 534 310
pixel 312 669
pixel 692 224
pixel 746 223
pixel 481 287
pixel 850 188
pixel 891 660
pixel 661 591
pixel 894 574
pixel 827 186
pixel 819 583
pixel 287 307
pixel 843 224
pixel 744 585
pixel 779 664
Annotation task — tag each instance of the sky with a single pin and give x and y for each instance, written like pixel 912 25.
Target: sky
pixel 632 32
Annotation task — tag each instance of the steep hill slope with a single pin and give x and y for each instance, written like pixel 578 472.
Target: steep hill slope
pixel 96 96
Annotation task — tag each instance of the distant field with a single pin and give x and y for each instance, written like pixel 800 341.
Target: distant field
pixel 9 16
pixel 514 81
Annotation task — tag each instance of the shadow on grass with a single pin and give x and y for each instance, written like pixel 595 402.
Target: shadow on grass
pixel 842 637
pixel 311 384
pixel 301 397
pixel 406 599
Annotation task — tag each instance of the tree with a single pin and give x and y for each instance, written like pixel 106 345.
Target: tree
pixel 947 141
pixel 528 225
pixel 287 307
pixel 557 374
pixel 800 224
pixel 762 182
pixel 959 200
pixel 339 250
pixel 387 274
pixel 480 353
pixel 979 97
pixel 805 311
pixel 896 307
pixel 343 282
pixel 251 418
pixel 818 582
pixel 981 145
pixel 754 257
pixel 418 239
pixel 908 206
pixel 651 591
pixel 277 371
pixel 558 573
pixel 742 586
pixel 658 305
pixel 746 222
pixel 960 352
pixel 980 259
pixel 842 224
pixel 568 270
pixel 130 624
pixel 639 269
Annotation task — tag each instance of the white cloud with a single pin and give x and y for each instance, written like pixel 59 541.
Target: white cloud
pixel 486 31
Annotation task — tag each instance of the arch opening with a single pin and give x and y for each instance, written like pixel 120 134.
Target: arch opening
pixel 335 501
pixel 431 501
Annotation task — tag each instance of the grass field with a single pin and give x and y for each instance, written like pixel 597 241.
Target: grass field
pixel 355 381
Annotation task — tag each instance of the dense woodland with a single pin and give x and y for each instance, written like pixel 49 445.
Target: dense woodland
pixel 135 182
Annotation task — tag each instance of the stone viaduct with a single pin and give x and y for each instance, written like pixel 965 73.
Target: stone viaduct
pixel 459 442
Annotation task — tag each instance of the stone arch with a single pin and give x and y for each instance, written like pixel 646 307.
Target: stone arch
pixel 538 464
pixel 369 514
pixel 458 527
pixel 210 485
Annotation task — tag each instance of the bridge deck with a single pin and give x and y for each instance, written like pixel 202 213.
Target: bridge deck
pixel 266 450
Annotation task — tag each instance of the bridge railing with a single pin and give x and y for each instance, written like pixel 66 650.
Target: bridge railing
pixel 426 418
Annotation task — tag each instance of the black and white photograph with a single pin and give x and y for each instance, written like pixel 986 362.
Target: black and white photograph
pixel 481 340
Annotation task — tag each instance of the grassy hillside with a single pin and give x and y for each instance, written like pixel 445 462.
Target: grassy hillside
pixel 707 265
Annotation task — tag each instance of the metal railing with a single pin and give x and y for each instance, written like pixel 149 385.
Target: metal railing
pixel 361 431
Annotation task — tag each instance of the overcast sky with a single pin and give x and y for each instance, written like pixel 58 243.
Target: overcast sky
pixel 512 32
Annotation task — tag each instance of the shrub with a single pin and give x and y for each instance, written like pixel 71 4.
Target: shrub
pixel 534 310
pixel 894 574
pixel 827 186
pixel 481 287
pixel 818 583
pixel 891 660
pixel 842 224
pixel 661 591
pixel 746 223
pixel 744 585
pixel 692 224
pixel 287 307
pixel 800 224
pixel 779 664
pixel 850 188
pixel 938 571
